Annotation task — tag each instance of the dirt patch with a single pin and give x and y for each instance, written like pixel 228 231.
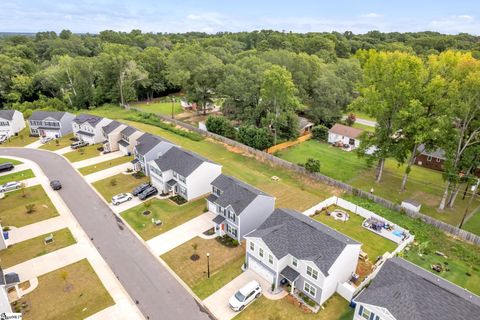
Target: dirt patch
pixel 364 268
pixel 292 300
pixel 426 198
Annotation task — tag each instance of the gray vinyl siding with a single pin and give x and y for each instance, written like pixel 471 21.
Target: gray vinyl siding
pixel 255 214
pixel 250 256
pixel 299 286
pixel 66 123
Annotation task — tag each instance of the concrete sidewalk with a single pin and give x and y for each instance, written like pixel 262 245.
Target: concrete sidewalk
pixel 18 168
pixel 63 150
pixel 107 173
pixel 36 229
pixel 34 145
pixel 181 234
pixel 95 160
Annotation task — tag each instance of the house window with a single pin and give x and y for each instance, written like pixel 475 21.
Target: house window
pixel 231 215
pixel 294 262
pixel 310 289
pixel 216 191
pixel 232 230
pixel 252 246
pixel 175 175
pixel 270 259
pixel 182 179
pixel 260 252
pixel 367 314
pixel 312 273
pixel 429 158
pixel 437 159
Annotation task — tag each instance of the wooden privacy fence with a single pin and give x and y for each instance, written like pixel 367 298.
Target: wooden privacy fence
pixel 273 160
pixel 288 144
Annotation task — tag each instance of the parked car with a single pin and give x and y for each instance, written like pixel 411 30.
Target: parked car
pixel 140 188
pixel 55 184
pixel 245 295
pixel 7 166
pixel 78 144
pixel 45 139
pixel 150 191
pixel 121 198
pixel 10 186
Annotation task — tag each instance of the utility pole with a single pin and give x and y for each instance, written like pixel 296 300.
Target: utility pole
pixel 474 193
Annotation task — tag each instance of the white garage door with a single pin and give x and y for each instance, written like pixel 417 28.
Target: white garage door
pixel 261 270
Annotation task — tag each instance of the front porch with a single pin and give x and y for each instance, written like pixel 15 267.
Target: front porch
pixel 289 278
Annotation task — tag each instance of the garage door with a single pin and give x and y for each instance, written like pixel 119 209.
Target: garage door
pixel 261 270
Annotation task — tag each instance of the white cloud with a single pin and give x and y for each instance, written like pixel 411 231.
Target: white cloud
pixel 371 15
pixel 456 24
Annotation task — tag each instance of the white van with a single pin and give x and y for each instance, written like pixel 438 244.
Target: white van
pixel 245 295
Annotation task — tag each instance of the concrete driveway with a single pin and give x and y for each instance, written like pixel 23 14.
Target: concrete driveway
pixel 217 303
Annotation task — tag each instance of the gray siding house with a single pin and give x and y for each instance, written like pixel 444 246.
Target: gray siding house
pixel 149 147
pixel 89 128
pixel 50 124
pixel 239 207
pixel 404 291
pixel 290 248
pixel 111 135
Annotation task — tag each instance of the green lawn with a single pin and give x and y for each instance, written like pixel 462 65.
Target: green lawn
pixel 118 184
pixel 164 108
pixel 171 214
pixel 17 176
pixel 336 308
pixel 22 139
pixel 12 161
pixel 104 165
pixel 363 127
pixel 373 244
pixel 13 210
pixel 361 115
pixel 73 292
pixel 83 153
pixel 35 247
pixel 473 224
pixel 57 144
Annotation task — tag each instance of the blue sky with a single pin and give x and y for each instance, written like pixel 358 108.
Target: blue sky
pixel 212 16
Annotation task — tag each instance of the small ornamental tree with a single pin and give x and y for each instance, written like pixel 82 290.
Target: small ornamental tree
pixel 320 132
pixel 312 165
pixel 350 120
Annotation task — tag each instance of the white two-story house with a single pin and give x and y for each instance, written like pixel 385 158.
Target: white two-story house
pixel 50 124
pixel 111 135
pixel 184 173
pixel 404 291
pixel 149 147
pixel 11 122
pixel 128 140
pixel 290 248
pixel 239 207
pixel 89 128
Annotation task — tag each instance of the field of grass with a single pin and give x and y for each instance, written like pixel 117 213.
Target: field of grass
pixel 164 108
pixel 13 210
pixel 336 308
pixel 171 215
pixel 122 183
pixel 104 165
pixel 363 127
pixel 22 139
pixel 35 247
pixel 225 264
pixel 57 144
pixel 74 292
pixel 83 153
pixel 473 224
pixel 12 161
pixel 17 176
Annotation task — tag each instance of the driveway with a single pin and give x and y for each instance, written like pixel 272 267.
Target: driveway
pixel 217 303
pixel 181 234
pixel 147 281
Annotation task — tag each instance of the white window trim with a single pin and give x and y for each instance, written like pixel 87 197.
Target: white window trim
pixel 261 252
pixel 429 158
pixel 270 259
pixel 294 262
pixel 313 270
pixel 252 247
pixel 311 287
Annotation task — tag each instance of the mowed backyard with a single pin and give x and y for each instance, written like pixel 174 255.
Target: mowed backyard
pixel 164 108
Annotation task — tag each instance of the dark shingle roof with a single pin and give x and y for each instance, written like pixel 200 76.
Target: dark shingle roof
pixel 437 153
pixel 235 193
pixel 41 115
pixel 290 232
pixel 123 143
pixel 8 278
pixel 7 114
pixel 128 131
pixel 412 293
pixel 91 119
pixel 290 273
pixel 181 161
pixel 111 126
pixel 147 142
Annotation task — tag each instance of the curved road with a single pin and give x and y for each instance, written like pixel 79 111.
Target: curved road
pixel 158 293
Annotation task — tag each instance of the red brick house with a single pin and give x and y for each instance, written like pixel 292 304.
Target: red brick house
pixel 430 159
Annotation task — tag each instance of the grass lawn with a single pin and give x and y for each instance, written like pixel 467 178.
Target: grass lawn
pixel 83 153
pixel 336 308
pixel 473 224
pixel 14 213
pixel 22 139
pixel 72 292
pixel 171 214
pixel 123 183
pixel 225 264
pixel 373 244
pixel 363 127
pixel 104 165
pixel 35 247
pixel 164 108
pixel 334 162
pixel 17 176
pixel 361 115
pixel 12 161
pixel 58 143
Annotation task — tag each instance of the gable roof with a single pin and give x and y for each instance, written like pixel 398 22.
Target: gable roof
pixel 181 161
pixel 438 153
pixel 7 114
pixel 412 293
pixel 345 131
pixel 8 278
pixel 128 131
pixel 235 193
pixel 147 142
pixel 288 231
pixel 303 123
pixel 41 115
pixel 91 119
pixel 111 126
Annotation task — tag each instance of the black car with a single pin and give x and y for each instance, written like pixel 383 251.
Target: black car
pixel 7 166
pixel 139 189
pixel 150 191
pixel 55 184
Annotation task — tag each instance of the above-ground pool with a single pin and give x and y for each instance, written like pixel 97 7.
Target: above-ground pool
pixel 397 233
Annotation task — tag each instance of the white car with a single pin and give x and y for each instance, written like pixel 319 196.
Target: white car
pixel 245 295
pixel 45 140
pixel 121 198
pixel 10 186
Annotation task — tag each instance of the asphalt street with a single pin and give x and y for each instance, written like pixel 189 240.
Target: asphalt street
pixel 157 293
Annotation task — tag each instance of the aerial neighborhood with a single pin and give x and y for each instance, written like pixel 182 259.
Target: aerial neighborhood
pixel 197 172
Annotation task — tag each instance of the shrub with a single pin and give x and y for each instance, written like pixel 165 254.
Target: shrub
pixel 350 120
pixel 221 125
pixel 113 182
pixel 258 138
pixel 320 132
pixel 30 208
pixel 312 165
